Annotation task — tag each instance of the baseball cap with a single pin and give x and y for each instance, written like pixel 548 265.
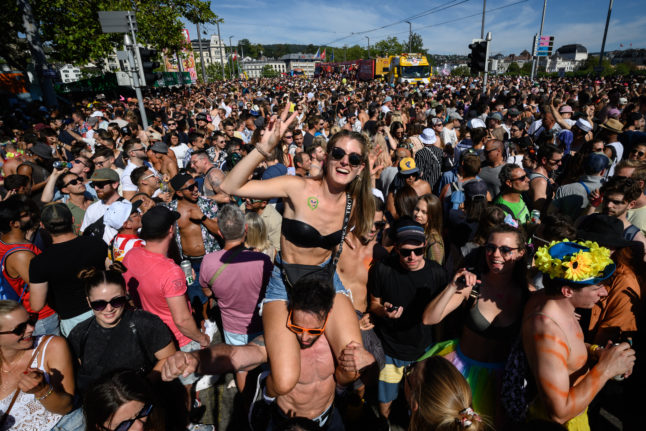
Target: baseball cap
pixel 455 116
pixel 42 150
pixel 56 215
pixel 118 212
pixel 408 230
pixel 200 117
pixel 407 166
pixel 105 174
pixel 157 221
pixel 388 99
pixel 436 121
pixel 496 116
pixel 514 112
pixel 154 136
pixel 595 162
pixel 474 189
pixel 178 181
pixel 584 125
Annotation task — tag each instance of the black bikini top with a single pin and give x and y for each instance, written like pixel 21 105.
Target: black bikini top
pixel 476 322
pixel 304 235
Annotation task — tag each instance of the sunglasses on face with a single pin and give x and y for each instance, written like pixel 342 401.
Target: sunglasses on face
pixel 77 161
pixel 406 252
pixel 20 329
pixel 523 178
pixel 379 225
pixel 99 184
pixel 299 329
pixel 353 158
pixel 116 302
pixel 73 182
pixel 504 250
pixel 638 153
pixel 144 412
pixel 192 187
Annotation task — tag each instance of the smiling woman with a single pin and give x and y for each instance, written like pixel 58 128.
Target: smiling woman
pixel 116 337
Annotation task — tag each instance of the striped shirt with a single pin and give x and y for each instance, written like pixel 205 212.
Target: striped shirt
pixel 429 162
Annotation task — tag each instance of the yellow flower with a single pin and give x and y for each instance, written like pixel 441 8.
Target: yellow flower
pixel 580 267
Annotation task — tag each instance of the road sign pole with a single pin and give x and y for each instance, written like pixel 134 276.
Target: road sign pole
pixel 138 75
pixel 486 68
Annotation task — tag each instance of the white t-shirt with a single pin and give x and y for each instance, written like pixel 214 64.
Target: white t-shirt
pixel 126 183
pixel 92 214
pixel 180 152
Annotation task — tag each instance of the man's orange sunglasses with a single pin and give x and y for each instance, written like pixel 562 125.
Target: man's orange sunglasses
pixel 299 330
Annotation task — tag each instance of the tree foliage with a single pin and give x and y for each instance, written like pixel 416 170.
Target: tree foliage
pixel 268 72
pixel 513 69
pixel 461 71
pixel 72 32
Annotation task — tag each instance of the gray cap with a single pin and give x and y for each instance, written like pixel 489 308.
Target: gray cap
pixel 42 150
pixel 159 147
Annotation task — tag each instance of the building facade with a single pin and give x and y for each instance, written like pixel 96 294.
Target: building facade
pixel 305 62
pixel 211 49
pixel 69 73
pixel 253 68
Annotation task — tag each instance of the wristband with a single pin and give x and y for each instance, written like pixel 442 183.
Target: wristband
pixel 265 154
pixel 48 393
pixel 203 219
pixel 594 347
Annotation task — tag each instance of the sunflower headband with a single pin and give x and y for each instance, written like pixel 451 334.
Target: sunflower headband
pixel 582 262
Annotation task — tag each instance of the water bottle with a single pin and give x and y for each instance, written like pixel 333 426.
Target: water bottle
pixel 188 271
pixel 61 165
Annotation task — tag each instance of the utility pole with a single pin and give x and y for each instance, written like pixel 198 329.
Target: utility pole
pixel 37 53
pixel 199 41
pixel 605 33
pixel 231 58
pixel 220 49
pixel 368 45
pixel 484 6
pixel 540 33
pixel 410 36
pixel 486 68
pixel 139 71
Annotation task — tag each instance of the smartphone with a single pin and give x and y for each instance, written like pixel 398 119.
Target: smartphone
pixel 392 308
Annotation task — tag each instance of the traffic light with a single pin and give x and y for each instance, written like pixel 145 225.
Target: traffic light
pixel 148 64
pixel 478 56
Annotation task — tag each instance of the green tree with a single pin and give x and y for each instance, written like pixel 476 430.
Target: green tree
pixel 527 68
pixel 268 72
pixel 389 46
pixel 417 44
pixel 461 71
pixel 72 32
pixel 513 69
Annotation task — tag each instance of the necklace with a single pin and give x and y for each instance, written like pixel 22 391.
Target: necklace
pixel 12 368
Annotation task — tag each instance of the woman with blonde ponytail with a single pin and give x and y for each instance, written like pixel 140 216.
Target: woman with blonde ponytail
pixel 116 337
pixel 440 398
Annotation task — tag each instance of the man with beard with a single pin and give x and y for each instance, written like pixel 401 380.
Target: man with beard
pixel 105 182
pixel 196 229
pixel 16 253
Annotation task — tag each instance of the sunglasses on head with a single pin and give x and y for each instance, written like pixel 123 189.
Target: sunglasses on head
pixel 116 302
pixel 144 412
pixel 354 159
pixel 405 252
pixel 504 250
pixel 20 329
pixel 191 188
pixel 299 329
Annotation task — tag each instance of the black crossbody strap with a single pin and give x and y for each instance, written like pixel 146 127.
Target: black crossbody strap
pixel 346 220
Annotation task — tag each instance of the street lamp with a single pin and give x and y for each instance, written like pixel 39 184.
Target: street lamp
pixel 368 45
pixel 410 36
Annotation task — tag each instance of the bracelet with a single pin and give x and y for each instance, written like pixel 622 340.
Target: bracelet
pixel 48 393
pixel 594 348
pixel 265 154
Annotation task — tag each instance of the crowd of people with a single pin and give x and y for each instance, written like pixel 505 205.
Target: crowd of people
pixel 433 257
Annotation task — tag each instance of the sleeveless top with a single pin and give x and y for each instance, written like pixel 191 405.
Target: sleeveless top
pixel 304 235
pixel 28 414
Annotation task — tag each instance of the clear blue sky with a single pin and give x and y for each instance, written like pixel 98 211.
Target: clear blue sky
pixel 309 21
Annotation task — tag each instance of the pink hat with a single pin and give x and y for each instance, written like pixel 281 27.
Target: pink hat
pixel 565 109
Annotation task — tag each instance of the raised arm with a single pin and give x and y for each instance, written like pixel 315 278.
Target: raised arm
pixel 451 297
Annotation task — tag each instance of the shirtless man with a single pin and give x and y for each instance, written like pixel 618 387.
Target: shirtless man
pixel 163 160
pixel 213 177
pixel 313 396
pixel 562 364
pixel 197 227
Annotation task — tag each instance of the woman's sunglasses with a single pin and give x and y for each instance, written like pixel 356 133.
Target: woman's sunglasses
pixel 144 412
pixel 504 250
pixel 353 158
pixel 116 302
pixel 20 329
pixel 405 252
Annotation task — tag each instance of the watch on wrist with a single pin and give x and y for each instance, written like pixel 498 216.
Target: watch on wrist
pixel 203 218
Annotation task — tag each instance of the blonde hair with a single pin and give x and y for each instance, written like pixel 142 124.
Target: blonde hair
pixel 8 305
pixel 442 398
pixel 257 237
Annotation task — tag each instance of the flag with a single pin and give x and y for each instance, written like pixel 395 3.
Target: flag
pixel 317 53
pixel 323 55
pixel 234 57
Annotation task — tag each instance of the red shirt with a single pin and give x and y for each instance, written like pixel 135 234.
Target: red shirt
pixel 18 283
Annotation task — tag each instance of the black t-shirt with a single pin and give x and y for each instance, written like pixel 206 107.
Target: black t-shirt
pixel 405 338
pixel 370 127
pixel 59 266
pixel 129 345
pixel 308 141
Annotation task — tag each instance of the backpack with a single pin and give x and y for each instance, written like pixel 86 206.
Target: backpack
pixel 97 228
pixel 517 388
pixel 6 290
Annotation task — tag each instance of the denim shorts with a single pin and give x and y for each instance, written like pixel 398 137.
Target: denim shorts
pixel 233 339
pixel 276 290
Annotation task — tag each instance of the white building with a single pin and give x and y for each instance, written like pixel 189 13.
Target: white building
pixel 305 62
pixel 211 49
pixel 69 73
pixel 254 68
pixel 567 58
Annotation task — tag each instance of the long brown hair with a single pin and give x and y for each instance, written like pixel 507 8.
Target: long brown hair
pixel 363 211
pixel 433 228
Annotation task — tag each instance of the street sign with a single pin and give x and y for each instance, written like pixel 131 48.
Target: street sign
pixel 545 45
pixel 116 21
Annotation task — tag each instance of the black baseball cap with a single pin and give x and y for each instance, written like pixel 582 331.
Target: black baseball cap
pixel 156 222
